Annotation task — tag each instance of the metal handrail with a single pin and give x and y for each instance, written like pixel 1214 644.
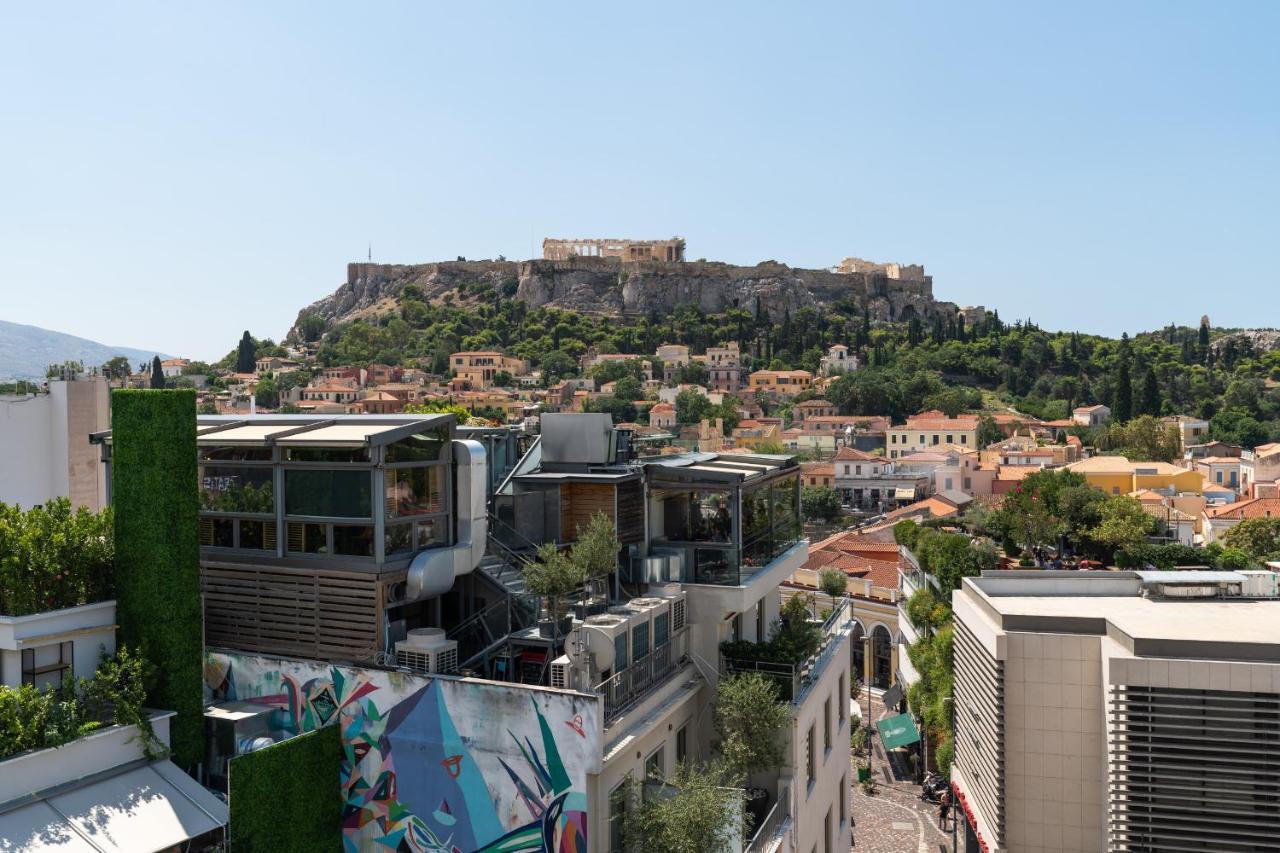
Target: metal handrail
pixel 624 689
pixel 771 825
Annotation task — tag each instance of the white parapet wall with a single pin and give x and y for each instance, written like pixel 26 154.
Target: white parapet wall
pixel 90 628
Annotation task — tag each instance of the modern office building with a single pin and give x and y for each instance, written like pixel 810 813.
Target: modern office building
pixel 1119 711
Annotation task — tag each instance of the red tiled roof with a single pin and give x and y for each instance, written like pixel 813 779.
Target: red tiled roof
pixel 1255 508
pixel 854 455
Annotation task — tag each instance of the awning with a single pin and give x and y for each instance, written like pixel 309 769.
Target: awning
pixel 904 494
pixel 898 731
pixel 140 809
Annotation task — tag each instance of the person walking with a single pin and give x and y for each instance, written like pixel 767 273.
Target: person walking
pixel 944 809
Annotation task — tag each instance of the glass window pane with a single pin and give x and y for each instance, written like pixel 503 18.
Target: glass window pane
pixel 432 533
pixel 353 540
pixel 258 535
pixel 323 492
pixel 414 491
pixel 429 446
pixel 698 516
pixel 308 538
pixel 227 488
pixel 399 539
pixel 217 532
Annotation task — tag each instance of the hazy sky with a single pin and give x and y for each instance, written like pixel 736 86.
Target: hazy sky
pixel 171 175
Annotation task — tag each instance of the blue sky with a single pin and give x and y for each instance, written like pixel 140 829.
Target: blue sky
pixel 172 174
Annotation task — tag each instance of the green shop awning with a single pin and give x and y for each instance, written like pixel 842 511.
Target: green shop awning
pixel 898 731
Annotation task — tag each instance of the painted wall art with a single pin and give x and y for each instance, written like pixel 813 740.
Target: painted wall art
pixel 435 765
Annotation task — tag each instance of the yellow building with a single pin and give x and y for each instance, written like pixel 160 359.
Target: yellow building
pixel 1116 475
pixel 784 383
pixel 477 369
pixel 928 430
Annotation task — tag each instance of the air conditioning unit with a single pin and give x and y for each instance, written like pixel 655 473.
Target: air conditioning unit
pixel 652 616
pixel 428 651
pixel 674 593
pixel 596 640
pixel 562 672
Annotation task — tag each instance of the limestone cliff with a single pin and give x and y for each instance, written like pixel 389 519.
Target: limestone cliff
pixel 610 286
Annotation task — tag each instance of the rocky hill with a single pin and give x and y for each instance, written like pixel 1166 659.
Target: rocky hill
pixel 610 286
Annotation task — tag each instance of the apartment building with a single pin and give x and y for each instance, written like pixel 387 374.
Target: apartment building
pixel 1220 471
pixel 837 360
pixel 1119 711
pixel 1091 416
pixel 780 383
pixel 1260 469
pixel 871 482
pixel 477 369
pixel 1191 431
pixel 1117 475
pixel 724 367
pixel 930 429
pixel 45 453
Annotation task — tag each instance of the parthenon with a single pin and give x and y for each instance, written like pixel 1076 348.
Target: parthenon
pixel 628 250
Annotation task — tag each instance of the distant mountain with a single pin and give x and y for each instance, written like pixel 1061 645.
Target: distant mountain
pixel 26 351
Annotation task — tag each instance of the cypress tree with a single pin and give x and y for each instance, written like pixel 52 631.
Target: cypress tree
pixel 157 373
pixel 1122 402
pixel 1150 404
pixel 1204 337
pixel 247 355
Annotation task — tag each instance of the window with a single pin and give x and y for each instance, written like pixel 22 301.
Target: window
pixel 964 439
pixel 432 446
pixel 857 469
pixel 936 438
pixel 826 726
pixel 415 491
pixel 328 493
pixel 682 744
pixel 826 832
pixel 951 439
pixel 947 484
pixel 809 763
pixel 655 766
pixel 842 702
pixel 617 814
pixel 227 488
pixel 844 800
pixel 47 666
pixel 761 623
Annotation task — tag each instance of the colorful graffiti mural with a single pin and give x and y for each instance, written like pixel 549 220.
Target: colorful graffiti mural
pixel 436 765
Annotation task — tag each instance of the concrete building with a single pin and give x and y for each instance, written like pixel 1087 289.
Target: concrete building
pixel 1091 416
pixel 1260 467
pixel 477 369
pixel 44 444
pixel 1117 475
pixel 837 360
pixel 1191 431
pixel 1125 711
pixel 724 367
pixel 871 482
pixel 929 429
pixel 605 247
pixel 780 383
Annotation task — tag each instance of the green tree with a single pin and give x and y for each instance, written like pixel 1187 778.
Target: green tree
pixel 1150 400
pixel 692 406
pixel 689 813
pixel 246 354
pixel 1257 537
pixel 117 368
pixel 267 394
pixel 1122 522
pixel 503 379
pixel 820 503
pixel 157 373
pixel 1122 401
pixel 749 719
pixel 834 583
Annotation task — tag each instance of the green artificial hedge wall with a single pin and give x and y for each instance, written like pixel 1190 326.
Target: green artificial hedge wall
pixel 288 797
pixel 156 502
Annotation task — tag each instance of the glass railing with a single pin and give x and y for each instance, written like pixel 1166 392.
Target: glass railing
pixel 793 679
pixel 726 565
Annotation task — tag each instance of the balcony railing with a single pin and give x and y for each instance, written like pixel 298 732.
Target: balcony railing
pixel 725 565
pixel 795 678
pixel 625 689
pixel 773 824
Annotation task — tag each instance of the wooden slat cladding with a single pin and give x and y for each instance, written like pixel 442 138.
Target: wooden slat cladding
pixel 580 501
pixel 630 512
pixel 319 614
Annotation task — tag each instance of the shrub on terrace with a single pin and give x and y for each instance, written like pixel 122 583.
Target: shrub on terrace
pixel 52 557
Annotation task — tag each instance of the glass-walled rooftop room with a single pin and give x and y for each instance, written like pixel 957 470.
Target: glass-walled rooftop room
pixel 726 517
pixel 355 490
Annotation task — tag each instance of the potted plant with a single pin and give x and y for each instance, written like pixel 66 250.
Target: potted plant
pixel 864 771
pixel 553 575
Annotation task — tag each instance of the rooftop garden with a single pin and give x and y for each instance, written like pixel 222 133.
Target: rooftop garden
pixel 53 557
pixel 40 719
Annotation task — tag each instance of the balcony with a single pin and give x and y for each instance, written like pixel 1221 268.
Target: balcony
pixel 770 834
pixel 795 678
pixel 626 689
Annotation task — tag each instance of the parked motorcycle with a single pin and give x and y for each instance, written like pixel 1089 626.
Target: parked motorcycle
pixel 933 787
